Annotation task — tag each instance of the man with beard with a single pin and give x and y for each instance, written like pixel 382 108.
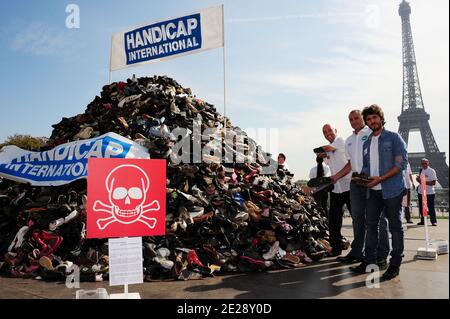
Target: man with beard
pixel 354 152
pixel 384 159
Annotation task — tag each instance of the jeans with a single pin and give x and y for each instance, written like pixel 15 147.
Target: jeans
pixel 431 210
pixel 337 202
pixel 358 201
pixel 393 210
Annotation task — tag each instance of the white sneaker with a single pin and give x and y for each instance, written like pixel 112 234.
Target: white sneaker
pixel 272 251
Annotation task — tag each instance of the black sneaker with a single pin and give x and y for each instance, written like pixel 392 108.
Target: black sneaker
pixel 421 223
pixel 348 259
pixel 360 269
pixel 390 273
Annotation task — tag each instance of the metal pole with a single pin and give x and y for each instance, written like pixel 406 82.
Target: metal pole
pixel 224 72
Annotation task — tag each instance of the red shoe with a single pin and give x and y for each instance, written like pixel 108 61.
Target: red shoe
pixel 192 258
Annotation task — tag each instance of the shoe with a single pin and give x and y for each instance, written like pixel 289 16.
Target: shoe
pixel 382 263
pixel 433 224
pixel 319 150
pixel 273 251
pixel 319 181
pixel 409 221
pixel 348 259
pixel 390 273
pixel 360 178
pixel 360 269
pixel 421 223
pixel 46 262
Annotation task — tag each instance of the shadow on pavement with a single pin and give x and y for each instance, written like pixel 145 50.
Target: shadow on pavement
pixel 322 280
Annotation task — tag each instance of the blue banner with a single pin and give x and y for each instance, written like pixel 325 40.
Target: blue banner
pixel 66 162
pixel 163 39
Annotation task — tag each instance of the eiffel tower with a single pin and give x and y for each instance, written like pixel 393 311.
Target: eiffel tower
pixel 413 116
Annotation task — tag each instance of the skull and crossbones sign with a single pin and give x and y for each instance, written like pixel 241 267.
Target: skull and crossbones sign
pixel 127 197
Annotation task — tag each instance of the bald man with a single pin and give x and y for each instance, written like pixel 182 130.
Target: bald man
pixel 340 195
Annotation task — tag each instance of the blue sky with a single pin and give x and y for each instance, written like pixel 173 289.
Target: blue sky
pixel 291 65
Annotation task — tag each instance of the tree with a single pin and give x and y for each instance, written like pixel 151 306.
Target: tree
pixel 26 142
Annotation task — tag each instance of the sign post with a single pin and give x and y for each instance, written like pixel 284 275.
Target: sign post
pixel 428 252
pixel 126 200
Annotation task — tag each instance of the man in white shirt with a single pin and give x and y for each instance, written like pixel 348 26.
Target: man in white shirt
pixel 430 178
pixel 409 183
pixel 321 197
pixel 358 195
pixel 340 195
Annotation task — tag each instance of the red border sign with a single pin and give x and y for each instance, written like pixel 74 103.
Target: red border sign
pixel 126 197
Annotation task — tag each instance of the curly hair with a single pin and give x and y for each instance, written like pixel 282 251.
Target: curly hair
pixel 373 109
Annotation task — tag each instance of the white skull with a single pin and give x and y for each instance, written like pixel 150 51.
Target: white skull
pixel 127 186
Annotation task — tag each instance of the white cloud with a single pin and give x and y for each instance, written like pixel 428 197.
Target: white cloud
pixel 366 68
pixel 39 39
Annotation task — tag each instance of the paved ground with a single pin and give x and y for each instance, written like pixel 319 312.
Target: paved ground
pixel 327 279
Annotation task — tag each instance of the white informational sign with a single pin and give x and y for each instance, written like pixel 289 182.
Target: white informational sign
pixel 125 261
pixel 169 38
pixel 66 162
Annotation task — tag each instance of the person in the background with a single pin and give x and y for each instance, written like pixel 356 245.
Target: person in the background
pixel 409 183
pixel 430 178
pixel 321 170
pixel 282 162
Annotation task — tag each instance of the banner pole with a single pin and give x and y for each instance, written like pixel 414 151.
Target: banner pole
pixel 423 186
pixel 224 72
pixel 110 61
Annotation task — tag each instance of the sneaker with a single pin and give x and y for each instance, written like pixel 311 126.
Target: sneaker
pixel 433 224
pixel 421 223
pixel 272 252
pixel 360 269
pixel 409 221
pixel 390 273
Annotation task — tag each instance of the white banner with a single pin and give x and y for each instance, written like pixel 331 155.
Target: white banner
pixel 66 162
pixel 166 39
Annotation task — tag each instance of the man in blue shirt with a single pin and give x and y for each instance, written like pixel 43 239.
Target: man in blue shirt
pixel 384 159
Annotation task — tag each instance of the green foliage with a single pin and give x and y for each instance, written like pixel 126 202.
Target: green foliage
pixel 26 142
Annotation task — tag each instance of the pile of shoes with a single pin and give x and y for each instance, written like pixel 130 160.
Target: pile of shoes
pixel 220 217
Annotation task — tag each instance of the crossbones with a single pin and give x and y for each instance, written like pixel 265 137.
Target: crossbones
pixel 102 223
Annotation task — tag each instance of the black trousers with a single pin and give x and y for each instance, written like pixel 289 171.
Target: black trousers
pixel 337 202
pixel 321 199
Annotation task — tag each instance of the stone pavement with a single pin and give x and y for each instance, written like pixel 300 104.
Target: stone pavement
pixel 326 279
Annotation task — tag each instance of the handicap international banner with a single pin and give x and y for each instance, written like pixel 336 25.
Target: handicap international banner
pixel 162 40
pixel 66 162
